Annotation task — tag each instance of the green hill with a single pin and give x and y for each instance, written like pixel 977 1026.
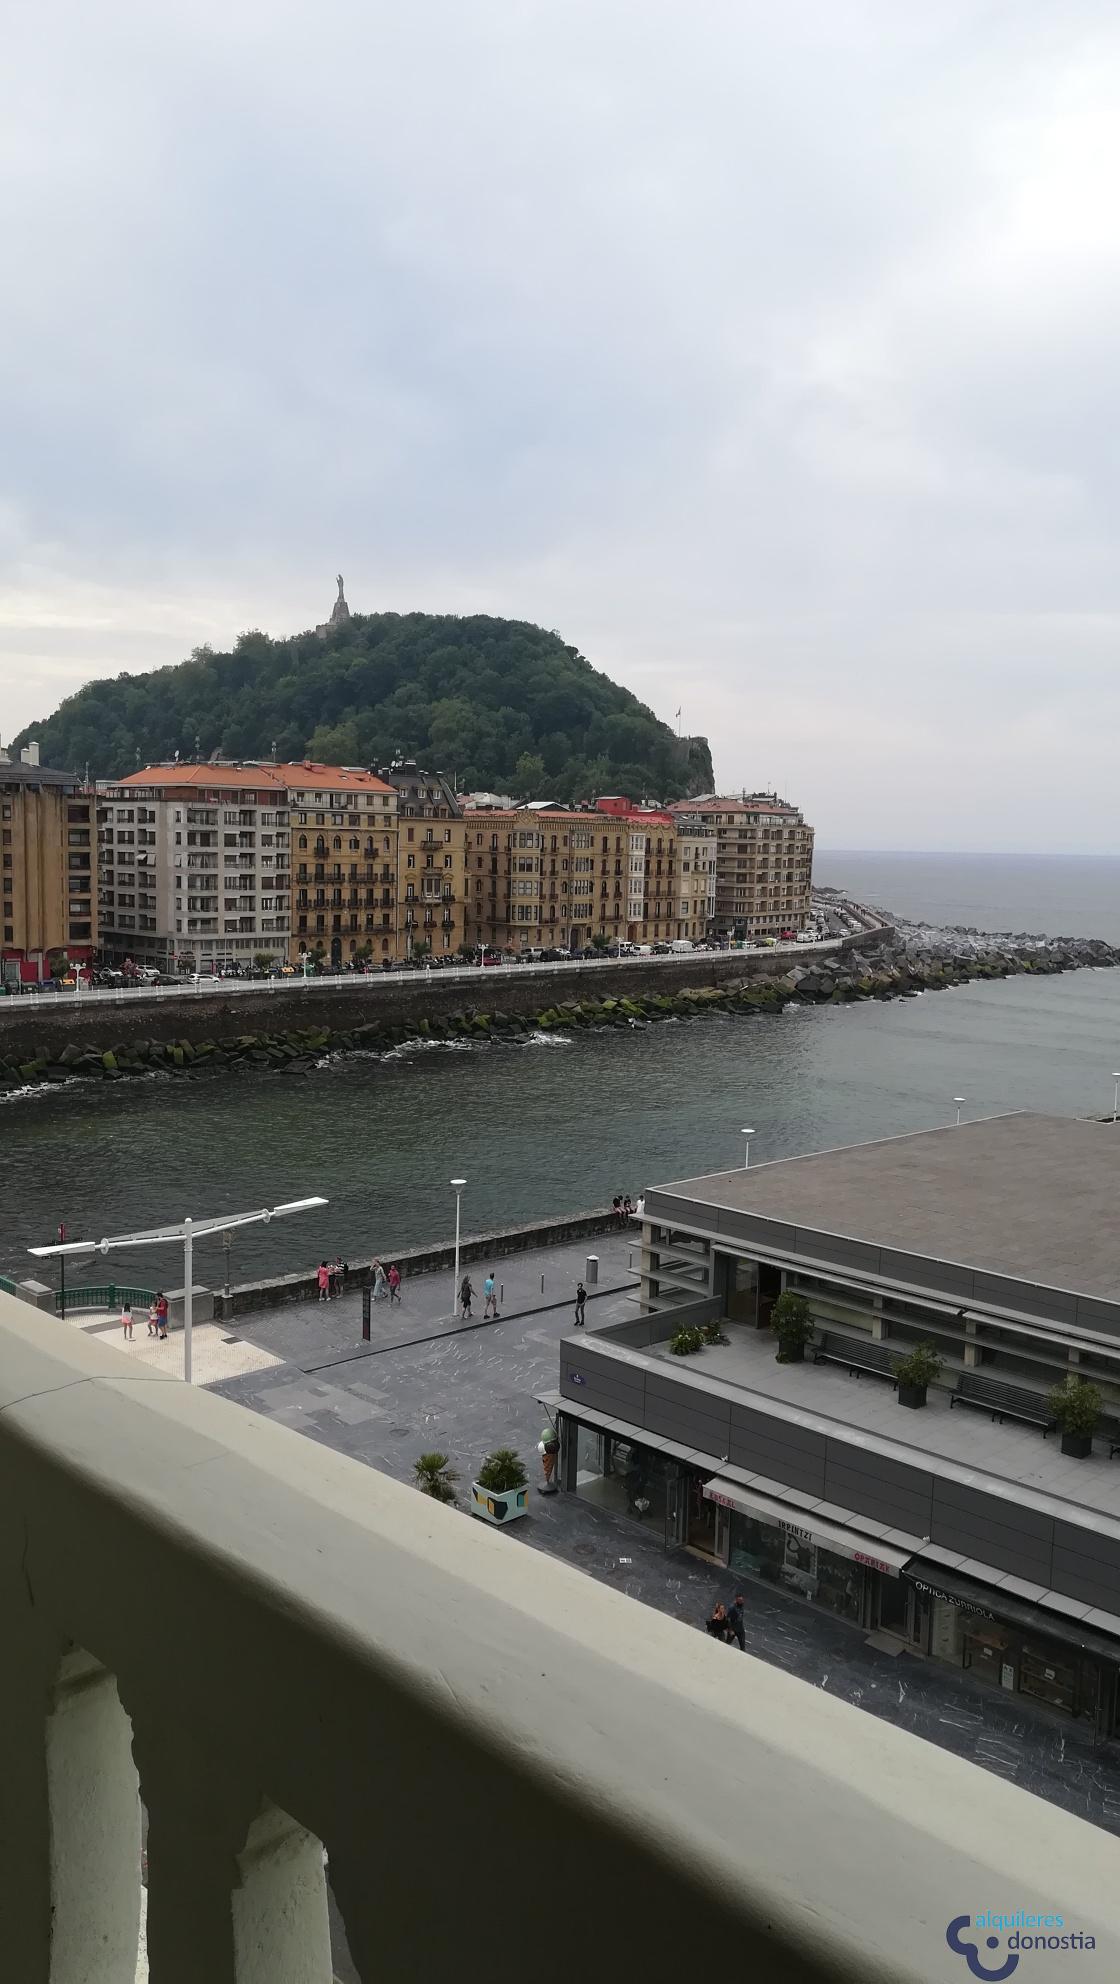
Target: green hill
pixel 500 703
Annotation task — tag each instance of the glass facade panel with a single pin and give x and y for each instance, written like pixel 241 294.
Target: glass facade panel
pixel 789 1557
pixel 621 1475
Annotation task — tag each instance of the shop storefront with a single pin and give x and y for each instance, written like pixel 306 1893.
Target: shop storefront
pixel 1005 1643
pixel 817 1560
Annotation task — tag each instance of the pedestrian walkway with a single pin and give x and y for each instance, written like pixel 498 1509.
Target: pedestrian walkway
pixel 217 1353
pixel 426 1382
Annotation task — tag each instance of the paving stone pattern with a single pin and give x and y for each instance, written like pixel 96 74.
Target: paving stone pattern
pixel 469 1390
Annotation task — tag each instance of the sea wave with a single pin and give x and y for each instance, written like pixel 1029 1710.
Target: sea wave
pixel 539 1039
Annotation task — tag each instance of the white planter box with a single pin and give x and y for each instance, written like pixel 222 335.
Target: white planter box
pixel 499 1506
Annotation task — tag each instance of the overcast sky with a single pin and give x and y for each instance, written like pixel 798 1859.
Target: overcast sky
pixel 769 352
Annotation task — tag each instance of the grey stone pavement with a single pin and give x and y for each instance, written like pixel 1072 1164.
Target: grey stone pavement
pixel 424 1381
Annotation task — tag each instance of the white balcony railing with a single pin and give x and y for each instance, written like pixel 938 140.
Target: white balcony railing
pixel 510 1765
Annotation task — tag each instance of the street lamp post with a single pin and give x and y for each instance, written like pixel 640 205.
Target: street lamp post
pixel 188 1232
pixel 960 1101
pixel 748 1134
pixel 458 1184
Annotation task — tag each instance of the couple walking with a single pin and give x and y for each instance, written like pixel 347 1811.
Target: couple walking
pixel 386 1283
pixel 466 1296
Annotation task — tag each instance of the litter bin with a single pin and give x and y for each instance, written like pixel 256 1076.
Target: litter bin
pixel 591 1271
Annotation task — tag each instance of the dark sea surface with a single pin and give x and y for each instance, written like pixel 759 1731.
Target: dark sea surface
pixel 1051 895
pixel 550 1126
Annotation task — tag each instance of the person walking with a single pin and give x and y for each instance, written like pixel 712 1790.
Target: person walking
pixel 394 1280
pixel 380 1283
pixel 581 1299
pixel 126 1322
pixel 735 1621
pixel 323 1277
pixel 466 1296
pixel 153 1320
pixel 490 1307
pixel 717 1624
pixel 616 1208
pixel 161 1316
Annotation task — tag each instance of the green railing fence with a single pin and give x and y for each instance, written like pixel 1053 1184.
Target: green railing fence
pixel 106 1295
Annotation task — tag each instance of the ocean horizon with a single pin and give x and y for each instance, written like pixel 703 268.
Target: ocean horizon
pixel 1053 895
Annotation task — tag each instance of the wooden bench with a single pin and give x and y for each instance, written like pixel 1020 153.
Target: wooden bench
pixel 858 1355
pixel 1109 1429
pixel 1001 1400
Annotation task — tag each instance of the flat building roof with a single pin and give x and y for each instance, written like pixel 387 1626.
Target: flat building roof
pixel 1022 1199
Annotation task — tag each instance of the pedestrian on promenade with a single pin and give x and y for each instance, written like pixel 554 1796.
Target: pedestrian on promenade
pixel 153 1317
pixel 380 1283
pixel 323 1277
pixel 735 1621
pixel 627 1208
pixel 161 1315
pixel 718 1625
pixel 466 1296
pixel 616 1208
pixel 581 1298
pixel 126 1322
pixel 491 1305
pixel 394 1280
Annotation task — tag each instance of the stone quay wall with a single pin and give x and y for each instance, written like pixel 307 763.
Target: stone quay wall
pixel 497 1245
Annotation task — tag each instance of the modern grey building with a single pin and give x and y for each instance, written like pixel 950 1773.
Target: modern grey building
pixel 964 1535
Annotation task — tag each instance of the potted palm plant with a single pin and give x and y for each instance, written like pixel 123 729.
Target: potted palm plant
pixel 791 1320
pixel 434 1477
pixel 920 1367
pixel 1076 1405
pixel 500 1493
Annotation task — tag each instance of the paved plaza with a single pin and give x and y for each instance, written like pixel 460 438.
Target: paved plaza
pixel 426 1382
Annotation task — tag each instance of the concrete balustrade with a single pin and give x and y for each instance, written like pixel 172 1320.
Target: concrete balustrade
pixel 510 1765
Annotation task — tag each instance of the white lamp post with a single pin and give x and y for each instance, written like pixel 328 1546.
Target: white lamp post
pixel 1115 1094
pixel 748 1134
pixel 188 1232
pixel 458 1184
pixel 960 1101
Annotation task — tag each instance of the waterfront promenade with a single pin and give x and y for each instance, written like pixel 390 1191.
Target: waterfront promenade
pixel 424 1381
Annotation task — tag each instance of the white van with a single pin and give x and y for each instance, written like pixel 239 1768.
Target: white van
pixel 681 944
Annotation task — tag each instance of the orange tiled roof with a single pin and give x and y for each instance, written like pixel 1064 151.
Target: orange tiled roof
pixel 284 778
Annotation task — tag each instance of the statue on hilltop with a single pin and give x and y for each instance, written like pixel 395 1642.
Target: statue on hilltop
pixel 339 611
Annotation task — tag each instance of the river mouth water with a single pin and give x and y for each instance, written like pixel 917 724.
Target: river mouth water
pixel 544 1125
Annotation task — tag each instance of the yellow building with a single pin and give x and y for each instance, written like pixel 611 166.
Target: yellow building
pixel 764 862
pixel 343 831
pixel 430 860
pixel 48 871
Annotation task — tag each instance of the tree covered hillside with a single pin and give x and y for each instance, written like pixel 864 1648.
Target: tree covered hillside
pixel 500 703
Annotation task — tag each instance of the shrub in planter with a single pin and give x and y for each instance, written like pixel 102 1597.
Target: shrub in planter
pixel 712 1333
pixel 921 1367
pixel 1076 1405
pixel 434 1477
pixel 686 1342
pixel 791 1320
pixel 500 1490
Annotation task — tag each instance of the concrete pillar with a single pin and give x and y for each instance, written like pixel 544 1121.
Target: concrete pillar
pixel 236 1889
pixel 69 1813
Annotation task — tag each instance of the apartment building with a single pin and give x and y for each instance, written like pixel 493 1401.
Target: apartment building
pixel 764 861
pixel 195 865
pixel 343 828
pixel 48 871
pixel 431 852
pixel 543 876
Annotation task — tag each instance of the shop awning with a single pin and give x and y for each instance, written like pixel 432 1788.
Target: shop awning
pixel 845 1542
pixel 989 1600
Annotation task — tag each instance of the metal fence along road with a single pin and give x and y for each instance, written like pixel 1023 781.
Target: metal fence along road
pixel 17 1008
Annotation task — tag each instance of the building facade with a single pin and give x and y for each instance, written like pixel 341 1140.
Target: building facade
pixel 48 871
pixel 544 877
pixel 764 862
pixel 973 1537
pixel 431 855
pixel 343 832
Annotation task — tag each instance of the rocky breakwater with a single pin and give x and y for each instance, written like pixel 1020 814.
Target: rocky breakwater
pixel 890 966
